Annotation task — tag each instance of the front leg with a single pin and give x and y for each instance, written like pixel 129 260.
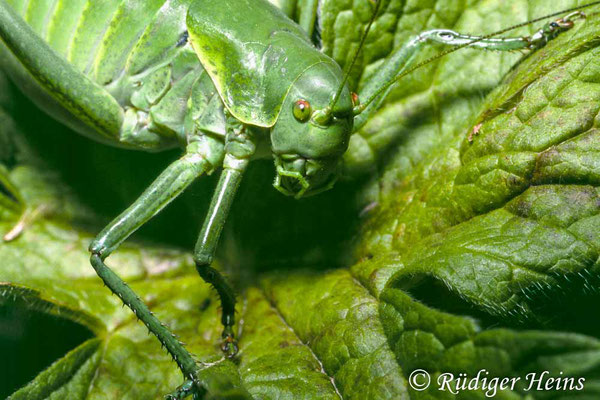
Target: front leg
pixel 403 61
pixel 239 148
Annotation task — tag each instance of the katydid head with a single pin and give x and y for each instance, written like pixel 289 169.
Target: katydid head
pixel 308 139
pixel 314 127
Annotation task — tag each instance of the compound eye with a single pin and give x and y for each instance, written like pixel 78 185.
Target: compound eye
pixel 554 25
pixel 302 110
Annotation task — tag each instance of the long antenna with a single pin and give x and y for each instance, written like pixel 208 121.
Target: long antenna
pixel 348 68
pixel 361 107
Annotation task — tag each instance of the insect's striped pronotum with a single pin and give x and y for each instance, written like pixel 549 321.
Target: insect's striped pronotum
pixel 225 80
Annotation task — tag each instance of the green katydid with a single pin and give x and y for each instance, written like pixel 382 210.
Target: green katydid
pixel 153 75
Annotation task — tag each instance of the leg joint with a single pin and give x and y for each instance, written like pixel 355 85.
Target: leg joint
pixel 97 248
pixel 202 260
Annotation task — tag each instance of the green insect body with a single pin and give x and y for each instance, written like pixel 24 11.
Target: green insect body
pixel 158 84
pixel 226 80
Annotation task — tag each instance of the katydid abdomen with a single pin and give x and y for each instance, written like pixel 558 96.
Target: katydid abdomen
pixel 138 51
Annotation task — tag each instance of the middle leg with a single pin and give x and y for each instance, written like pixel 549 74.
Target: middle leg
pixel 239 147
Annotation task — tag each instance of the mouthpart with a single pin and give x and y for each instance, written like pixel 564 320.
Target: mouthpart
pixel 301 177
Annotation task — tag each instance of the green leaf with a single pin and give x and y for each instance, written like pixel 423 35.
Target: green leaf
pixel 513 215
pixel 70 376
pixel 469 256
